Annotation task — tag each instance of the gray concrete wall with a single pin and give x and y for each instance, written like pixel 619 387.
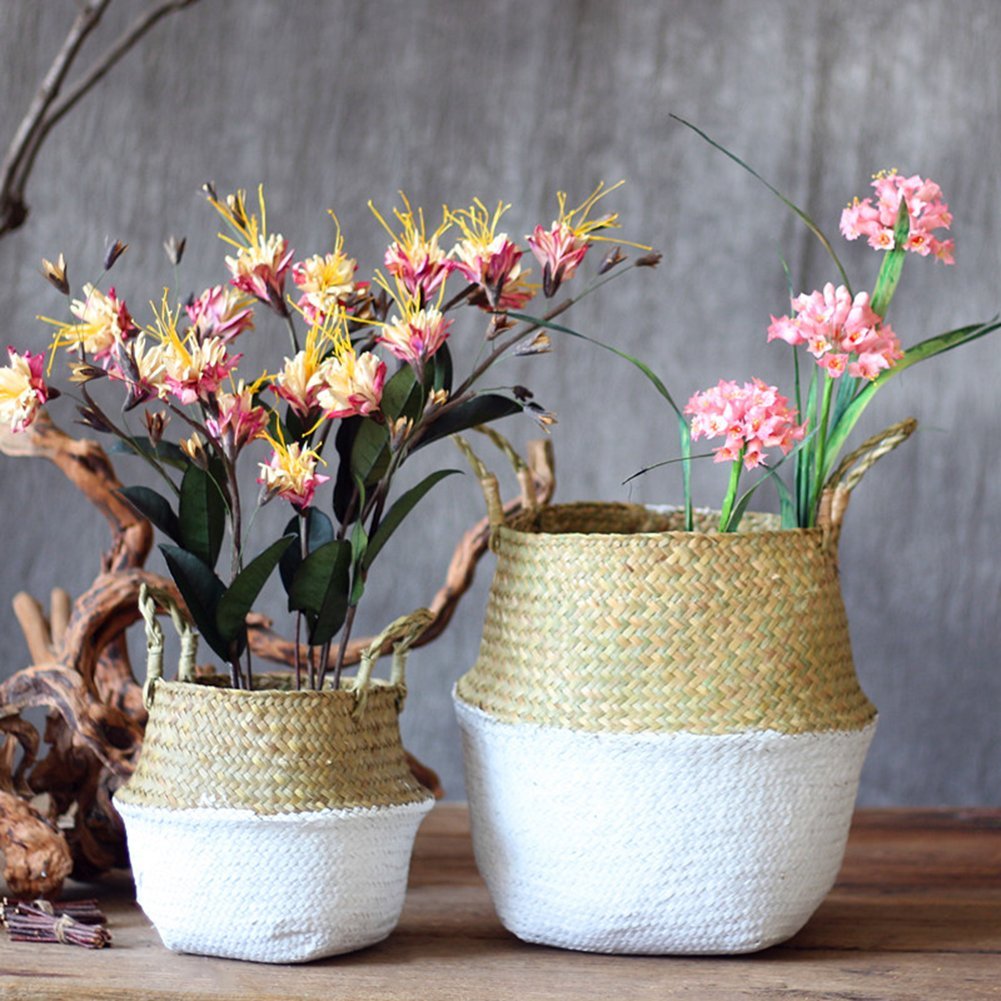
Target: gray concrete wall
pixel 332 103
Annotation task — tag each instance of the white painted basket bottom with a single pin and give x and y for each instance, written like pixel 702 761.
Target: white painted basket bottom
pixel 657 843
pixel 275 889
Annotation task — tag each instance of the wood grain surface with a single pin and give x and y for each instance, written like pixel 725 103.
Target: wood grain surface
pixel 915 915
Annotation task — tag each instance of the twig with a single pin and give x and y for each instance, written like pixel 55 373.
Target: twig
pixel 45 111
pixel 80 923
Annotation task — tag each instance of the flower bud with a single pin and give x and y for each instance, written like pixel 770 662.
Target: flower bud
pixel 55 274
pixel 174 249
pixel 113 249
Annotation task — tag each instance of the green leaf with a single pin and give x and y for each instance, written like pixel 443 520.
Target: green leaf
pixel 202 513
pixel 928 348
pixel 344 484
pixel 163 451
pixel 321 588
pixel 297 428
pixel 231 611
pixel 893 264
pixel 787 507
pixel 440 369
pixel 359 546
pixel 319 530
pixel 810 224
pixel 201 590
pixel 154 507
pixel 370 452
pixel 403 505
pixel 478 410
pixel 403 395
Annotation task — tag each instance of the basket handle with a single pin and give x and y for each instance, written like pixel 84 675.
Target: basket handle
pixel 148 599
pixel 402 633
pixel 539 464
pixel 851 469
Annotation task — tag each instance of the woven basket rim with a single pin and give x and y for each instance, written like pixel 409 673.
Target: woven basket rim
pixel 234 695
pixel 515 530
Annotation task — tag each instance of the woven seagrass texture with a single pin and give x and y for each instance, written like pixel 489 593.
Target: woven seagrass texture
pixel 271 752
pixel 603 618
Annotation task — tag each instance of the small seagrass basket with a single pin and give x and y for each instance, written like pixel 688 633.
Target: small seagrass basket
pixel 274 826
pixel 663 731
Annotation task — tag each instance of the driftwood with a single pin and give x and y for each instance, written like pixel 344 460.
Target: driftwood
pixel 81 674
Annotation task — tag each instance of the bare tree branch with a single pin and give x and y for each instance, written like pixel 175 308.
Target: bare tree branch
pixel 45 110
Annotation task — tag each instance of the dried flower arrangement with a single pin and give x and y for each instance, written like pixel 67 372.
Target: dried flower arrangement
pixel 332 392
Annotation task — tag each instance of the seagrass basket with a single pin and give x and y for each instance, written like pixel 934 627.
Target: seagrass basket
pixel 663 731
pixel 274 826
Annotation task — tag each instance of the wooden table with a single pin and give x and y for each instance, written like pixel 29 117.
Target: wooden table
pixel 916 914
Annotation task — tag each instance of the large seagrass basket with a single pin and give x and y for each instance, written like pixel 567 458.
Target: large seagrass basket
pixel 274 826
pixel 663 731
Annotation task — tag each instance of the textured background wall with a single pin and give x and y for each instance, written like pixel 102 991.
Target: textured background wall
pixel 333 103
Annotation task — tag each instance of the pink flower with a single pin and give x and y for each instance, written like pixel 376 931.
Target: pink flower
pixel 347 385
pixel 194 371
pixel 104 323
pixel 490 260
pixel 260 270
pixel 141 368
pixel 220 312
pixel 291 473
pixel 561 248
pixel 238 420
pixel 22 389
pixel 560 251
pixel 926 212
pixel 417 336
pixel 326 282
pixel 415 258
pixel 834 327
pixel 751 418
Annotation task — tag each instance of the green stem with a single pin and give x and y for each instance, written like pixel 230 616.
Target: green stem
pixel 821 447
pixel 731 492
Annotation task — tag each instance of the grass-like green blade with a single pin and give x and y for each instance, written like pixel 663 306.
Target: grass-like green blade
pixel 919 352
pixel 684 434
pixel 808 222
pixel 893 264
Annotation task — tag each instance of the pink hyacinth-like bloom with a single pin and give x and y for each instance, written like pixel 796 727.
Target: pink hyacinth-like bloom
pixel 291 473
pixel 751 418
pixel 876 218
pixel 842 333
pixel 260 269
pixel 220 312
pixel 22 389
pixel 417 336
pixel 238 420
